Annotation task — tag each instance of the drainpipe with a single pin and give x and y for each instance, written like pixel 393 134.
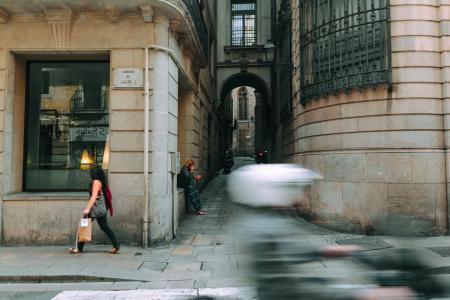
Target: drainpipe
pixel 146 120
pixel 146 220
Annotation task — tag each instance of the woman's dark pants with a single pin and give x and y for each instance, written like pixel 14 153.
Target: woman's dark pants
pixel 103 223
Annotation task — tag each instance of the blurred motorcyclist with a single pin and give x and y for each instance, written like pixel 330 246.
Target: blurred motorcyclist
pixel 270 232
pixel 271 192
pixel 261 157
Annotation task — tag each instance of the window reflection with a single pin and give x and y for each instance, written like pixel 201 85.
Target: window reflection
pixel 67 123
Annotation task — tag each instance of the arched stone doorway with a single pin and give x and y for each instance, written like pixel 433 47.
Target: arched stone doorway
pixel 262 119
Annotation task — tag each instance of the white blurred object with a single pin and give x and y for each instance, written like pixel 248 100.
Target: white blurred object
pixel 272 185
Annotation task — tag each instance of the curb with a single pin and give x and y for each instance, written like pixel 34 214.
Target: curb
pixel 59 279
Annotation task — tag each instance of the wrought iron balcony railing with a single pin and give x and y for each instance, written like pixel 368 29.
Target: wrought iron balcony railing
pixel 193 7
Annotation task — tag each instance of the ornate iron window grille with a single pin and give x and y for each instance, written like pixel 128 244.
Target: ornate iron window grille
pixel 193 7
pixel 243 23
pixel 344 44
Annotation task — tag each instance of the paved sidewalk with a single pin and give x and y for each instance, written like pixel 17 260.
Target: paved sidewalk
pixel 205 258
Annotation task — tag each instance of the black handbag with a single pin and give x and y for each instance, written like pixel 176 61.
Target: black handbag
pixel 99 208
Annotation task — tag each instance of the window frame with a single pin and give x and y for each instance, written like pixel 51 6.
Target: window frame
pixel 243 13
pixel 25 145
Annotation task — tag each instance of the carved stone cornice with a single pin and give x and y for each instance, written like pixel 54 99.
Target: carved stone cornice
pixel 187 52
pixel 191 27
pixel 112 13
pixel 175 25
pixel 59 23
pixel 147 13
pixel 196 67
pixel 183 41
pixel 4 16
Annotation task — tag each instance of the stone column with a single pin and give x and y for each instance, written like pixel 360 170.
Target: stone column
pixel 160 178
pixel 444 12
pixel 126 160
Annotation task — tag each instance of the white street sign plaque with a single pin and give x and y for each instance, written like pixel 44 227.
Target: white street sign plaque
pixel 128 78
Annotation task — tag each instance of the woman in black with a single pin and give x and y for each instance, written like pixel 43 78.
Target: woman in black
pixel 97 191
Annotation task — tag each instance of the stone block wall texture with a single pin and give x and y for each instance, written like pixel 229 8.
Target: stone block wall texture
pixel 196 140
pixel 382 154
pixel 192 127
pixel 197 130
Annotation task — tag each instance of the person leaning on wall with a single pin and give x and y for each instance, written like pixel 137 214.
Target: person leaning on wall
pixel 188 181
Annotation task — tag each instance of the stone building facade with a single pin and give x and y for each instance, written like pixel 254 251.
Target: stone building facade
pixel 382 148
pixel 74 93
pixel 244 102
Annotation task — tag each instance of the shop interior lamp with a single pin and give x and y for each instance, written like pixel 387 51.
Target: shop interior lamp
pixel 86 160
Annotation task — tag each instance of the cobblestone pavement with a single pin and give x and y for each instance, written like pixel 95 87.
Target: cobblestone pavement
pixel 205 259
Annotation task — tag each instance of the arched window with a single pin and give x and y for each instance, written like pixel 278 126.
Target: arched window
pixel 243 103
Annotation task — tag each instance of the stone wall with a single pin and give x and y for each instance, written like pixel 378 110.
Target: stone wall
pixel 381 154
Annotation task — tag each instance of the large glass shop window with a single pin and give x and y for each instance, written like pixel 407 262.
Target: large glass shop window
pixel 67 124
